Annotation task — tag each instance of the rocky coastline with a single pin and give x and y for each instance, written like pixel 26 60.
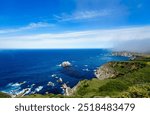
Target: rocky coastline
pixel 110 70
pixel 130 55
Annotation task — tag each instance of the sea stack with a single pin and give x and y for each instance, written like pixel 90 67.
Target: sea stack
pixel 65 64
pixel 67 90
pixel 60 80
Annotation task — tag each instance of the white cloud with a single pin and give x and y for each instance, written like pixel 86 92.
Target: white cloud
pixel 104 38
pixel 28 27
pixel 81 15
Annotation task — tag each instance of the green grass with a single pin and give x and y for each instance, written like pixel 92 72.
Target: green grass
pixel 140 91
pixel 128 79
pixel 4 95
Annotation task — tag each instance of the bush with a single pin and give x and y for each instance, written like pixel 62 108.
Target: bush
pixel 113 86
pixel 4 95
pixel 138 91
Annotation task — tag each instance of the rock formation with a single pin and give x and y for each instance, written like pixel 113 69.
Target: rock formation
pixel 67 90
pixel 60 80
pixel 65 64
pixel 105 72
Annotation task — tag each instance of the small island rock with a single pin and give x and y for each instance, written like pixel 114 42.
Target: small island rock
pixel 66 64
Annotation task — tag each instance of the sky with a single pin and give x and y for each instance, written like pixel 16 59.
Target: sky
pixel 48 24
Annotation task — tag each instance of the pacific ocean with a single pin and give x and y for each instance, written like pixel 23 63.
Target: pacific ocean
pixel 39 71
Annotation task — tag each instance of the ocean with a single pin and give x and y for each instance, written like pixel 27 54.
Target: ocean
pixel 39 71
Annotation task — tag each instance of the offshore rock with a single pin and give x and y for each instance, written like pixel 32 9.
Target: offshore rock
pixel 65 64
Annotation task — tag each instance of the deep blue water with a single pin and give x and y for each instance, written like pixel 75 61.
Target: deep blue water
pixel 33 69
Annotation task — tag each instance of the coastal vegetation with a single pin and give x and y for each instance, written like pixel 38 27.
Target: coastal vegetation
pixel 4 95
pixel 131 79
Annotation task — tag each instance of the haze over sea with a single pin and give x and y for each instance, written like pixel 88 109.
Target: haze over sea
pixel 39 71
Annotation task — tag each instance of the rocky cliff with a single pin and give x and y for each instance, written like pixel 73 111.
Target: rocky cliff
pixel 105 72
pixel 116 69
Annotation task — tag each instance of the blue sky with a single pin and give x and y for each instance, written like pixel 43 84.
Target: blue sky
pixel 73 23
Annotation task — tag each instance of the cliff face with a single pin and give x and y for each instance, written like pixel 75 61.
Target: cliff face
pixel 116 79
pixel 117 69
pixel 105 72
pixel 70 91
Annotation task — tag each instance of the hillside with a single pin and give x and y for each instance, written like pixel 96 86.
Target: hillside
pixel 4 95
pixel 130 79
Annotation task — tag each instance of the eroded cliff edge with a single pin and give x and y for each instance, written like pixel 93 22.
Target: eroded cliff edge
pixel 117 79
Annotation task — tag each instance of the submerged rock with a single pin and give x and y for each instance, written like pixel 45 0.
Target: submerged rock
pixel 21 83
pixel 65 64
pixel 86 69
pixel 60 80
pixel 39 88
pixel 53 75
pixel 50 84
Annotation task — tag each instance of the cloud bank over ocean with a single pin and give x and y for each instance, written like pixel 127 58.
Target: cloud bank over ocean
pixel 133 37
pixel 134 46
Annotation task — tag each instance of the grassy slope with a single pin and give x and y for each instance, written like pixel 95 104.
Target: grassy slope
pixel 4 95
pixel 132 80
pixel 44 96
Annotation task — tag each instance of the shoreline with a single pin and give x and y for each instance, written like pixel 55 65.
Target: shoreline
pixel 109 73
pixel 70 91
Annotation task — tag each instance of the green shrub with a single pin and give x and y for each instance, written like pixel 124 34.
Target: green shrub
pixel 137 91
pixel 113 86
pixel 4 95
